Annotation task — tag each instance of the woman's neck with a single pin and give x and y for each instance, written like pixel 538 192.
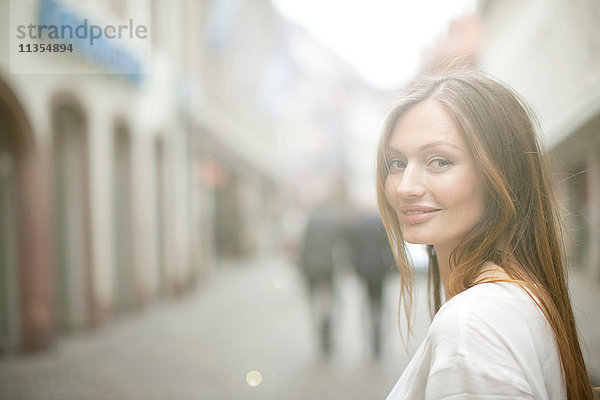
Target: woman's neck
pixel 489 271
pixel 442 254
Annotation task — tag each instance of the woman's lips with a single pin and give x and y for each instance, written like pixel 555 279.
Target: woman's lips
pixel 413 215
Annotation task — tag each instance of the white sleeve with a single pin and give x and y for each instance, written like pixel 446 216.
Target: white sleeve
pixel 462 377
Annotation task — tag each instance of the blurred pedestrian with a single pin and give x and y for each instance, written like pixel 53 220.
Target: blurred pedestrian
pixel 322 234
pixel 372 259
pixel 460 169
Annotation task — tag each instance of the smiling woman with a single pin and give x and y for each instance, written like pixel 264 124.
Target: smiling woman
pixel 460 170
pixel 433 185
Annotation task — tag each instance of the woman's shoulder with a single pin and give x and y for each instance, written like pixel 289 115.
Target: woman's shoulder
pixel 490 296
pixel 495 293
pixel 493 315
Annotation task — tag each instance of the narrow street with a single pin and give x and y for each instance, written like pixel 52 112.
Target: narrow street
pixel 250 317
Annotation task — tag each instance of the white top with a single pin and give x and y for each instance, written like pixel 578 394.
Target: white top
pixel 489 342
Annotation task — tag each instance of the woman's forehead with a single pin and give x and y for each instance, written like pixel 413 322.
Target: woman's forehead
pixel 424 123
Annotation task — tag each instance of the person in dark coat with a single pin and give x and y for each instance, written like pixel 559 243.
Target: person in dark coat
pixel 322 233
pixel 372 259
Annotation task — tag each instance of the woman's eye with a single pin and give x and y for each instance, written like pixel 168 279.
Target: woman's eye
pixel 396 164
pixel 440 163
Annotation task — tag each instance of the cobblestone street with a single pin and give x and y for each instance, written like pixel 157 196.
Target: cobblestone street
pixel 248 317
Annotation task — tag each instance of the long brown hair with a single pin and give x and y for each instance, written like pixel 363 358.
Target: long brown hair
pixel 519 230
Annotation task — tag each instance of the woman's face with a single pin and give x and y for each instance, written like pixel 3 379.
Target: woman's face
pixel 433 184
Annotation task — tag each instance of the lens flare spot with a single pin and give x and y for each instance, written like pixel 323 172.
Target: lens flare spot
pixel 253 378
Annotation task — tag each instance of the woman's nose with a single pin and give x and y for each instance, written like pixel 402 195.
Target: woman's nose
pixel 410 183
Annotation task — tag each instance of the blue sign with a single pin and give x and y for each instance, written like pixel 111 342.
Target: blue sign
pixel 57 22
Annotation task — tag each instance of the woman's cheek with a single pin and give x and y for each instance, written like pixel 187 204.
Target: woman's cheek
pixel 450 185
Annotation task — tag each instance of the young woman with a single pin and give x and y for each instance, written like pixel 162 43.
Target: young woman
pixel 460 169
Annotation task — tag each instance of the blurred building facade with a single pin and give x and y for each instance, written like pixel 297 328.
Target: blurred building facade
pixel 91 165
pixel 118 190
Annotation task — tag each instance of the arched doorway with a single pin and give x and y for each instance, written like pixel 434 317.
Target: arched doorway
pixel 71 211
pixel 26 291
pixel 125 293
pixel 9 305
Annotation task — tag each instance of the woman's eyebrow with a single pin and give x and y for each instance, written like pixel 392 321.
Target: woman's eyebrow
pixel 393 150
pixel 438 143
pixel 435 143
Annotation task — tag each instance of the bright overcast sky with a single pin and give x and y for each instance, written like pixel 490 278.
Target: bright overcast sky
pixel 382 39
